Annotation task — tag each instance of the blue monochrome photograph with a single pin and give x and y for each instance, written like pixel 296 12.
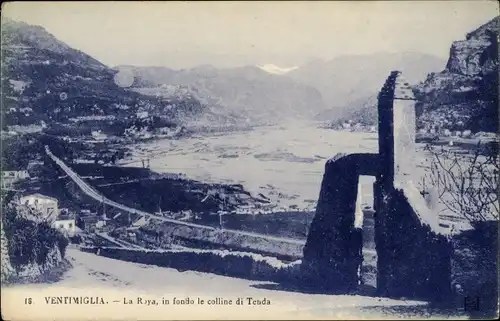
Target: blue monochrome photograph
pixel 291 160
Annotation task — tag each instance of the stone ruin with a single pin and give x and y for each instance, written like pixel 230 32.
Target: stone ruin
pixel 413 254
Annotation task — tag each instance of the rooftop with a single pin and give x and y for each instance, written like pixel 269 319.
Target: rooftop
pixel 38 195
pixel 64 217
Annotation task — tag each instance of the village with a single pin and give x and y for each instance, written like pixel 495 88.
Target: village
pixel 96 221
pixel 86 226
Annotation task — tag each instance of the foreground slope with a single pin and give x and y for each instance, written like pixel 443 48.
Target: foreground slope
pixel 115 280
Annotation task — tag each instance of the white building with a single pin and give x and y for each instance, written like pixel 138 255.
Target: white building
pixel 99 135
pixel 100 223
pixel 44 206
pixel 142 114
pixel 66 225
pixel 10 177
pixel 466 133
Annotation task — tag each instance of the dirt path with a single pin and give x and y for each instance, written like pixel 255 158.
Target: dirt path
pixel 115 280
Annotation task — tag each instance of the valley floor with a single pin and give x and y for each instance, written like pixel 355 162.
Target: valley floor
pixel 117 280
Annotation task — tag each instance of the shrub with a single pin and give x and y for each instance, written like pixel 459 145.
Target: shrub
pixel 467 184
pixel 222 262
pixel 30 242
pixel 475 266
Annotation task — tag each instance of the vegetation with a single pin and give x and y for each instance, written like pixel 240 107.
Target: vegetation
pixel 236 264
pixel 18 151
pixel 30 242
pixel 475 266
pixel 467 184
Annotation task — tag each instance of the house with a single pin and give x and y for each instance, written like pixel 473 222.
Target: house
pixel 92 223
pixel 10 177
pixel 98 135
pixel 143 220
pixel 66 224
pixel 45 206
pixel 34 163
pixel 142 114
pixel 467 133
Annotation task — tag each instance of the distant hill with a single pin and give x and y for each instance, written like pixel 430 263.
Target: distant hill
pixel 363 112
pixel 464 96
pixel 43 79
pixel 345 80
pixel 248 92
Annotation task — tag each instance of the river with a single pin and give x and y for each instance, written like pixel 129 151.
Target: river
pixel 283 162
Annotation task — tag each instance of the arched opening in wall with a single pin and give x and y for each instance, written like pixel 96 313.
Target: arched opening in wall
pixel 365 220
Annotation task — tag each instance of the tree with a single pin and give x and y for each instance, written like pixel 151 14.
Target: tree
pixel 467 184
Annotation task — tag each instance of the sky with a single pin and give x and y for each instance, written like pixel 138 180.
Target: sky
pixel 229 34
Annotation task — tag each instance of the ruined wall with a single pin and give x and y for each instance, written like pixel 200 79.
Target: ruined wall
pixel 413 256
pixel 332 253
pixel 413 260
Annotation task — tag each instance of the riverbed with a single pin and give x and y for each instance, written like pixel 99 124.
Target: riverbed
pixel 284 163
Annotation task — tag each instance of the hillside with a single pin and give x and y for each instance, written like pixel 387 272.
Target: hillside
pixel 249 93
pixel 464 96
pixel 359 115
pixel 43 79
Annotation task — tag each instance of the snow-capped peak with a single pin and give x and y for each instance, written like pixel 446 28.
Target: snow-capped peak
pixel 273 69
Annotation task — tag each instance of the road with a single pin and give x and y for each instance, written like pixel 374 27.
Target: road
pixel 90 191
pixel 118 242
pixel 93 275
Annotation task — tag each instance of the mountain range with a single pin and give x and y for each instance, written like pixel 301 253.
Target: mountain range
pixel 248 92
pixel 346 79
pixel 324 90
pixel 45 79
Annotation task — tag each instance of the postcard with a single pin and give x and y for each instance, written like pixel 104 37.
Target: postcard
pixel 249 160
